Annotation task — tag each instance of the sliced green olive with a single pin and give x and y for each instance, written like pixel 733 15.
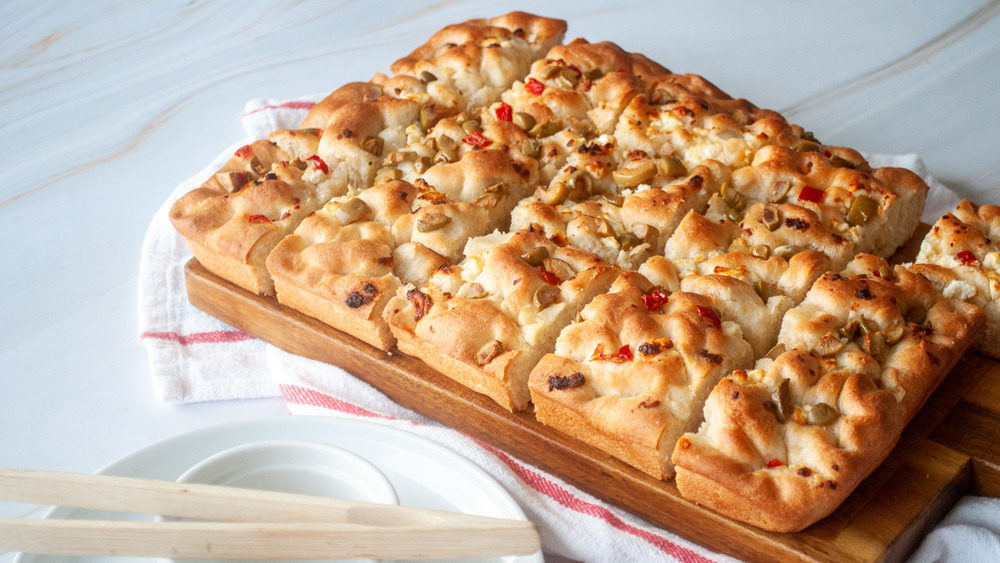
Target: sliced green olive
pixel 874 343
pixel 232 181
pixel 917 315
pixel 470 126
pixel 862 209
pixel 536 256
pixel 850 330
pixel 299 163
pixel 350 211
pixel 805 145
pixel 775 351
pixel 427 76
pixel 627 241
pixel 555 194
pixel 894 334
pixel 782 399
pixel 822 414
pixel 523 120
pixel 560 268
pixel 786 251
pixel 489 201
pixel 388 175
pixel 760 289
pixel 605 228
pixel 422 164
pixel 761 251
pixel 595 74
pixel 445 155
pixel 531 148
pixel 500 188
pixel 568 78
pixel 373 144
pixel 840 162
pixel 613 198
pixel 778 190
pixel 546 295
pixel 646 233
pixel 732 197
pixel 827 345
pixel 397 157
pixel 432 221
pixel 867 325
pixel 445 143
pixel 770 216
pixel 489 351
pixel 551 70
pixel 885 272
pixel 426 118
pixel 735 214
pixel 580 184
pixel 634 173
pixel 810 136
pixel 545 128
pixel 673 166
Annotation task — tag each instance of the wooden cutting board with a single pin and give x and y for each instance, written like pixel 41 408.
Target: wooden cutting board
pixel 950 449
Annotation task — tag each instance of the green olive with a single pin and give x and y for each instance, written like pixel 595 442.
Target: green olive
pixel 634 173
pixel 523 120
pixel 546 295
pixel 782 399
pixel 735 214
pixel 531 148
pixel 646 233
pixel 761 251
pixel 489 201
pixel 580 184
pixel 822 414
pixel 894 334
pixel 805 145
pixel 874 343
pixel 470 126
pixel 613 198
pixel 673 166
pixel 551 70
pixel 545 128
pixel 388 175
pixel 867 325
pixel 432 221
pixel 555 194
pixel 850 330
pixel 445 155
pixel 862 209
pixel 885 272
pixel 840 162
pixel 917 315
pixel 778 190
pixel 560 268
pixel 427 76
pixel 628 240
pixel 568 78
pixel 350 211
pixel 536 256
pixel 595 74
pixel 422 164
pixel 770 216
pixel 373 144
pixel 489 351
pixel 397 157
pixel 828 345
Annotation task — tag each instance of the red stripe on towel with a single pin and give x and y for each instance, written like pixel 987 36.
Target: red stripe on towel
pixel 286 105
pixel 302 396
pixel 213 337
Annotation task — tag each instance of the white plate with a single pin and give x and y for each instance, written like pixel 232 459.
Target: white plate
pixel 424 474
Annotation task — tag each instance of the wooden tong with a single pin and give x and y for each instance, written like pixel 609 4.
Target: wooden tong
pixel 242 523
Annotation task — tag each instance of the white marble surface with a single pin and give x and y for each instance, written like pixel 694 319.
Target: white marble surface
pixel 105 106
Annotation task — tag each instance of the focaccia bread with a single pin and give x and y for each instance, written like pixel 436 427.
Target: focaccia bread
pixel 785 443
pixel 630 376
pixel 474 206
pixel 487 321
pixel 961 256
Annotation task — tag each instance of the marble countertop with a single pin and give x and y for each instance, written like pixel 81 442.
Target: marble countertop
pixel 107 105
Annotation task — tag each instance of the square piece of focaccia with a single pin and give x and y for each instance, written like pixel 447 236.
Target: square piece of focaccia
pixel 487 321
pixel 631 375
pixel 784 444
pixel 961 256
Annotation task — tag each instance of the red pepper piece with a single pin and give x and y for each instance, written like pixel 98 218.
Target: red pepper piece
pixel 244 152
pixel 710 314
pixel 477 139
pixel 967 257
pixel 548 276
pixel 319 164
pixel 623 355
pixel 505 112
pixel 534 86
pixel 812 194
pixel 774 463
pixel 260 219
pixel 654 300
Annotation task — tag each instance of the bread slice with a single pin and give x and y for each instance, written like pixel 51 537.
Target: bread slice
pixel 487 321
pixel 785 443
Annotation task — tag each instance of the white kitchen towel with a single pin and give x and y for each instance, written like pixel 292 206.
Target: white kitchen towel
pixel 194 357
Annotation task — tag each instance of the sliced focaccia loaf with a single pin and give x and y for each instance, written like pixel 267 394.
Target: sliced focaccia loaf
pixel 783 445
pixel 961 256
